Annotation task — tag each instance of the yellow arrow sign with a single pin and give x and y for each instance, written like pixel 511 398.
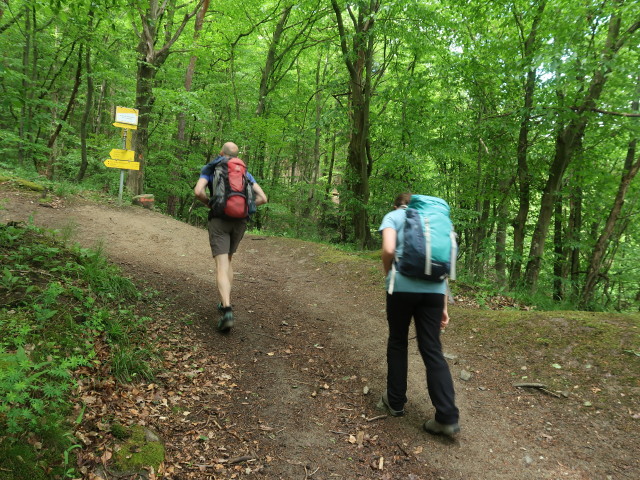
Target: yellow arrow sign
pixel 125 125
pixel 122 164
pixel 118 154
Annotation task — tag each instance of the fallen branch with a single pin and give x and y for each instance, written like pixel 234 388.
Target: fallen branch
pixel 244 458
pixel 403 450
pixel 229 461
pixel 224 429
pixel 376 418
pixel 308 474
pixel 538 386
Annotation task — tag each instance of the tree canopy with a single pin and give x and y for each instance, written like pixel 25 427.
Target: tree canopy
pixel 523 115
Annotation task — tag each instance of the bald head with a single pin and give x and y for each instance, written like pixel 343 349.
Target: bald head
pixel 229 149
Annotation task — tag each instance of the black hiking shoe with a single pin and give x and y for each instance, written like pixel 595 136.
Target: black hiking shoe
pixel 226 320
pixel 383 404
pixel 436 428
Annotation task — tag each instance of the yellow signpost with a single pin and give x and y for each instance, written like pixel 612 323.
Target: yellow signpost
pixel 111 163
pixel 127 139
pixel 126 155
pixel 127 119
pixel 127 116
pixel 125 125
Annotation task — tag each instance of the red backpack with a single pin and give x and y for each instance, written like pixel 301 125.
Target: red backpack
pixel 231 190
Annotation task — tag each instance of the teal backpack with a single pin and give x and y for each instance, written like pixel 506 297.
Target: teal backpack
pixel 430 247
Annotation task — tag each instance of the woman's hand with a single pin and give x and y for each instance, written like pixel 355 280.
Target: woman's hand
pixel 445 320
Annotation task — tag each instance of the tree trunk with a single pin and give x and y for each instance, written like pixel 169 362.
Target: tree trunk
pixel 478 233
pixel 558 259
pixel 84 123
pixel 597 255
pixel 150 60
pixel 332 160
pixel 72 99
pixel 316 164
pixel 359 62
pixel 144 104
pixel 275 67
pixel 501 242
pixel 567 141
pixel 172 198
pixel 524 177
pixel 573 237
pixel 24 128
pixel 267 71
pixel 97 123
pixel 12 21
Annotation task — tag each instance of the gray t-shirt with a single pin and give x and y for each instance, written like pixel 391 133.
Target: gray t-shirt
pixel 395 220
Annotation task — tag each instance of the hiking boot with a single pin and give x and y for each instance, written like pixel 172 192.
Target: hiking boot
pixel 383 404
pixel 226 320
pixel 436 428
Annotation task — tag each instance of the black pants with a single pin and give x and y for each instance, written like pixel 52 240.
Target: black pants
pixel 426 309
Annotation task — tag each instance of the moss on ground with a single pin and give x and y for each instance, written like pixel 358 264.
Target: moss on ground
pixel 36 187
pixel 20 462
pixel 586 352
pixel 120 432
pixel 138 452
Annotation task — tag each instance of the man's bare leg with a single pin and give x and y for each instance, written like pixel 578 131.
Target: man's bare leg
pixel 224 278
pixel 230 279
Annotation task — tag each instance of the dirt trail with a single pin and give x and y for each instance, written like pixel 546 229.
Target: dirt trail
pixel 310 336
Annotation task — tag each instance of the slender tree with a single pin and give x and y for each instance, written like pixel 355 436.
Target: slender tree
pixel 630 170
pixel 528 48
pixel 172 198
pixel 358 58
pixel 150 60
pixel 49 169
pixel 85 125
pixel 569 139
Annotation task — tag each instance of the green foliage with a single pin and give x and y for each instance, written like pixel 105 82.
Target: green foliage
pixel 56 304
pixel 20 461
pixel 100 275
pixel 447 111
pixel 130 363
pixel 32 395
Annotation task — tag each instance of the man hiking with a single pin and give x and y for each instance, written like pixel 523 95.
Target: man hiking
pixel 234 194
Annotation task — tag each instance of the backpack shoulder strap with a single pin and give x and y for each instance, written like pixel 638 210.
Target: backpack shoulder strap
pixel 209 168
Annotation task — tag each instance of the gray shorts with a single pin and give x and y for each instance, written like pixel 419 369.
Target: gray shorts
pixel 225 235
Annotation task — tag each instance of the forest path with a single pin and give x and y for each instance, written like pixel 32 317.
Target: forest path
pixel 309 337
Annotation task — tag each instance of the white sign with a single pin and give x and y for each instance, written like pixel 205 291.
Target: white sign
pixel 127 115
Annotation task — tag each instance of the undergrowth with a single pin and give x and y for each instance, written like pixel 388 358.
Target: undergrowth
pixel 63 311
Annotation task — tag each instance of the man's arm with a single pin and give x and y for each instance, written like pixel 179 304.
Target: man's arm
pixel 389 238
pixel 200 191
pixel 260 196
